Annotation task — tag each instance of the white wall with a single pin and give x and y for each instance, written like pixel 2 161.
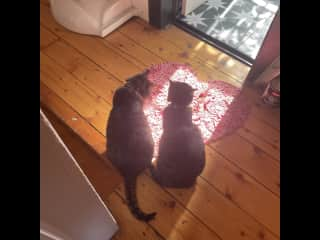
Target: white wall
pixel 144 7
pixel 69 205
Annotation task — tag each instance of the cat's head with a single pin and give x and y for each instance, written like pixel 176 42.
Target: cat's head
pixel 180 93
pixel 141 83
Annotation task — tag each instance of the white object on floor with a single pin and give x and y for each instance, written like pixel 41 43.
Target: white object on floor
pixel 96 17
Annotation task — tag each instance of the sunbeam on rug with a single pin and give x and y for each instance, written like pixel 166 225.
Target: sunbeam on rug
pixel 218 108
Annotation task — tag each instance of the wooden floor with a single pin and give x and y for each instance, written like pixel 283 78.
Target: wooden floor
pixel 238 193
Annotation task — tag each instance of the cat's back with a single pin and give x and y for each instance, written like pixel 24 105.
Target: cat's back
pixel 127 124
pixel 180 131
pixel 175 118
pixel 124 97
pixel 126 106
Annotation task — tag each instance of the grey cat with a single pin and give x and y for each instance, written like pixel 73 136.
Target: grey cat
pixel 181 150
pixel 129 140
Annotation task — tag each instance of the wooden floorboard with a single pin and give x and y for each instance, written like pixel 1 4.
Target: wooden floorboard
pixel 46 37
pixel 170 52
pixel 84 69
pixel 173 220
pixel 103 176
pixel 243 190
pixel 130 227
pixel 238 193
pixel 72 61
pixel 269 116
pixel 207 204
pixel 201 50
pixel 262 135
pixel 252 159
pixel 161 201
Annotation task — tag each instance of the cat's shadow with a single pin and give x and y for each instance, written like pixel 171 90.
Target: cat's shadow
pixel 233 119
pixel 169 203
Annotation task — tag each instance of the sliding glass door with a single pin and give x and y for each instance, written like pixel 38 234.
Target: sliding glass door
pixel 236 26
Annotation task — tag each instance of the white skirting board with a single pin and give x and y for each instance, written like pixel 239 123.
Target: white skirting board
pixel 97 17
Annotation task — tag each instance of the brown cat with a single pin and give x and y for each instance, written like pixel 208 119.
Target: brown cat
pixel 129 140
pixel 181 151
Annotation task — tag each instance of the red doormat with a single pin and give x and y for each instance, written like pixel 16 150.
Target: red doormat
pixel 218 107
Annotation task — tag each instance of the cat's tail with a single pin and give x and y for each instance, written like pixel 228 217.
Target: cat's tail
pixel 130 189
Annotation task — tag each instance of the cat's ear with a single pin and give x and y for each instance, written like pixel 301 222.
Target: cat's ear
pixel 170 81
pixel 194 89
pixel 129 79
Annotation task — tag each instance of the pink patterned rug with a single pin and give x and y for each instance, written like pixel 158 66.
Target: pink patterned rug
pixel 218 107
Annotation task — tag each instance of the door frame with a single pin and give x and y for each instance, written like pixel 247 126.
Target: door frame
pixel 189 5
pixel 163 16
pixel 177 12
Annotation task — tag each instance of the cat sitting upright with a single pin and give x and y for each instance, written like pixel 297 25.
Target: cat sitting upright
pixel 181 150
pixel 129 141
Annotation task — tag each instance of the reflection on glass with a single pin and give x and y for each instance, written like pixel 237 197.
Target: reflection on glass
pixel 241 24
